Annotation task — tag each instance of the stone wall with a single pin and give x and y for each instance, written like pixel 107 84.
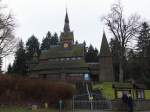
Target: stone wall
pixel 138 105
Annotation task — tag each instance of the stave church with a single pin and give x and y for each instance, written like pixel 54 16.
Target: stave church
pixel 66 61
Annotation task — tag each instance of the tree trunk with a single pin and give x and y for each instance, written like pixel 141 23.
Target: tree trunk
pixel 120 72
pixel 122 52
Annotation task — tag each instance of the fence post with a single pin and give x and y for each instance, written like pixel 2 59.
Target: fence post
pixel 60 105
pixel 73 104
pixel 91 101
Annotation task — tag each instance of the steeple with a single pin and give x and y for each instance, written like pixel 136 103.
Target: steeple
pixel 105 62
pixel 104 51
pixel 66 18
pixel 66 25
pixel 67 37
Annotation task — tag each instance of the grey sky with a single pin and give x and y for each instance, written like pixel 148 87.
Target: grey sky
pixel 39 16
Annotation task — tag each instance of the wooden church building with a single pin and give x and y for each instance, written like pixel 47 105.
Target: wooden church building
pixel 66 61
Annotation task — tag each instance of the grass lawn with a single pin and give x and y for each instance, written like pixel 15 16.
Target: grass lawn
pixel 106 88
pixel 108 91
pixel 21 109
pixel 147 94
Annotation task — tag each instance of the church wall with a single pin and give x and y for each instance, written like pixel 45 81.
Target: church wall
pixel 57 76
pixel 106 69
pixel 94 71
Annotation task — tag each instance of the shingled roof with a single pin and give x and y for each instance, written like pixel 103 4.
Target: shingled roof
pixel 60 52
pixel 71 65
pixel 66 25
pixel 104 51
pixel 128 86
pixel 66 36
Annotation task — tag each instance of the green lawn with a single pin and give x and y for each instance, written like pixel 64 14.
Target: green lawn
pixel 147 94
pixel 21 109
pixel 108 91
pixel 106 88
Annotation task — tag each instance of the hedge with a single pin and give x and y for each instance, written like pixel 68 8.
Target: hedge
pixel 26 91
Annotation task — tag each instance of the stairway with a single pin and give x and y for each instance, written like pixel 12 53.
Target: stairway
pixel 86 98
pixel 84 91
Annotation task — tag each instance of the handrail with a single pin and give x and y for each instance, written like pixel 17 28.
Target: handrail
pixel 90 95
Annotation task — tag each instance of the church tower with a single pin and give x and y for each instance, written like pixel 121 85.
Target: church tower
pixel 105 61
pixel 67 37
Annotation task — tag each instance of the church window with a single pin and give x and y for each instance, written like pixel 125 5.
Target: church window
pixel 43 76
pixel 57 59
pixel 67 59
pixel 73 58
pixel 78 58
pixel 62 59
pixel 51 59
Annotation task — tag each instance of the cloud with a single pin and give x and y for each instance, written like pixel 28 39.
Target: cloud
pixel 39 16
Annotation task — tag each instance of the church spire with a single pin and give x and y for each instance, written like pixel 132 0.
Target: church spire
pixel 104 51
pixel 66 26
pixel 66 18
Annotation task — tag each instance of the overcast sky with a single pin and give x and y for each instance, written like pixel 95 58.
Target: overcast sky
pixel 39 16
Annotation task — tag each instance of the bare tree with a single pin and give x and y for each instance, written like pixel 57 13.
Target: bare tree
pixel 123 30
pixel 7 39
